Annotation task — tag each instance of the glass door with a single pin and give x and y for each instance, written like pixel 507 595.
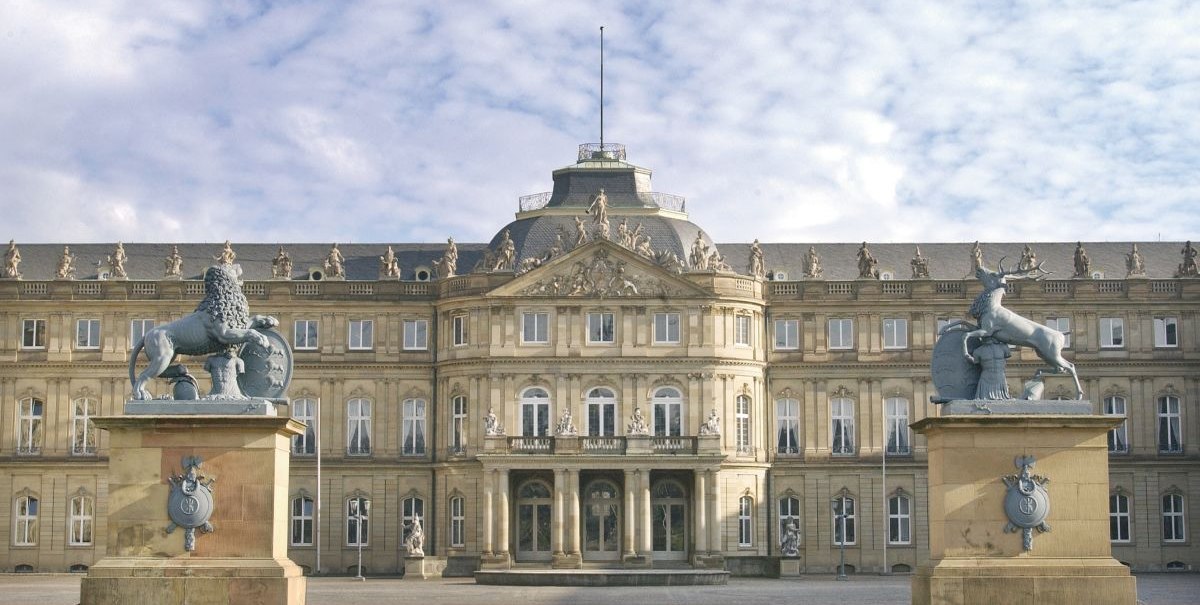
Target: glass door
pixel 601 522
pixel 533 521
pixel 668 512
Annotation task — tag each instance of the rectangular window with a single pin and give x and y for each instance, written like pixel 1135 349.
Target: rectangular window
pixel 29 426
pixel 899 520
pixel 535 328
pixel 1170 434
pixel 26 517
pixel 358 520
pixel 787 334
pixel 458 329
pixel 741 330
pixel 668 413
pixel 602 412
pixel 789 515
pixel 897 426
pixel 458 519
pixel 416 334
pixel 305 411
pixel 458 421
pixel 358 427
pixel 1118 518
pixel 843 426
pixel 895 333
pixel 745 514
pixel 787 426
pixel 1118 440
pixel 666 328
pixel 841 333
pixel 83 430
pixel 302 521
pixel 306 334
pixel 412 510
pixel 601 327
pixel 1166 332
pixel 83 515
pixel 362 334
pixel 844 521
pixel 1062 324
pixel 1172 517
pixel 413 433
pixel 138 329
pixel 742 419
pixel 33 334
pixel 1112 332
pixel 87 334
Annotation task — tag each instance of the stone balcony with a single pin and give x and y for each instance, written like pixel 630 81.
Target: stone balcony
pixel 604 446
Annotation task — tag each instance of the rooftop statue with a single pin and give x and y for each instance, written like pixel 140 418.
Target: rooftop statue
pixel 599 212
pixel 1028 259
pixel 66 265
pixel 281 265
pixel 812 263
pixel 116 263
pixel 757 268
pixel 920 265
pixel 976 258
pixel 388 267
pixel 1188 267
pixel 334 263
pixel 1134 265
pixel 1083 264
pixel 699 256
pixel 868 267
pixel 227 255
pixel 968 359
pixel 448 264
pixel 173 264
pixel 12 261
pixel 581 236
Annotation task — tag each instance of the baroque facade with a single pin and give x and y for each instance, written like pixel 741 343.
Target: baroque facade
pixel 601 383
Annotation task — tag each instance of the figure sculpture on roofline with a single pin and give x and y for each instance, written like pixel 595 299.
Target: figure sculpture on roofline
pixel 173 264
pixel 66 265
pixel 281 265
pixel 12 261
pixel 1135 266
pixel 116 263
pixel 757 268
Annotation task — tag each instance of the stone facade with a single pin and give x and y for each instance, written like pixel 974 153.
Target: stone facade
pixel 805 376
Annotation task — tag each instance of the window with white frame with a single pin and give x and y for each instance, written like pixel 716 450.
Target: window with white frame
pixel 362 335
pixel 416 334
pixel 25 521
pixel 895 333
pixel 1118 517
pixel 1172 518
pixel 535 328
pixel 899 519
pixel 789 514
pixel 787 334
pixel 413 429
pixel 601 405
pixel 668 412
pixel 458 421
pixel 842 420
pixel 1170 429
pixel 412 508
pixel 458 520
pixel 304 411
pixel 666 328
pixel 787 426
pixel 535 412
pixel 844 519
pixel 1166 332
pixel 302 521
pixel 87 334
pixel 83 430
pixel 741 330
pixel 138 329
pixel 358 427
pixel 745 527
pixel 841 333
pixel 1112 332
pixel 458 330
pixel 1118 440
pixel 306 331
pixel 1062 324
pixel 33 334
pixel 898 438
pixel 358 521
pixel 30 413
pixel 81 520
pixel 601 328
pixel 741 417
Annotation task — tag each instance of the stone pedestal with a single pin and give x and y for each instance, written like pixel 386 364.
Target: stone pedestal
pixel 495 562
pixel 423 568
pixel 972 559
pixel 244 560
pixel 789 567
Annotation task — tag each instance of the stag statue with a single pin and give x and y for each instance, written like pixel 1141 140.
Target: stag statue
pixel 998 323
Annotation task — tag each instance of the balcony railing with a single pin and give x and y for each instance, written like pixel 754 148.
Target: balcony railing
pixel 666 201
pixel 602 446
pixel 531 445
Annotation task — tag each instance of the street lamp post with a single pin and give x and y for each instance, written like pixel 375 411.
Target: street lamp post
pixel 840 518
pixel 358 517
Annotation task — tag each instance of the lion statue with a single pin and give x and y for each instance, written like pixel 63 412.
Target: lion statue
pixel 220 324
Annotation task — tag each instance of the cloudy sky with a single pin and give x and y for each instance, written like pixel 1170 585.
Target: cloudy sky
pixel 409 121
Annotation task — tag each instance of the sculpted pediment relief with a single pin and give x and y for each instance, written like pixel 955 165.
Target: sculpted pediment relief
pixel 598 270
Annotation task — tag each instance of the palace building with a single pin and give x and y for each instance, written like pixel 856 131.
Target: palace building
pixel 602 383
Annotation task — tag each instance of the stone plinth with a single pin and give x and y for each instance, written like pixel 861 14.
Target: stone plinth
pixel 423 568
pixel 244 560
pixel 789 567
pixel 972 559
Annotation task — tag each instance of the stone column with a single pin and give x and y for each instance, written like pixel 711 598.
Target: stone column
pixel 644 486
pixel 714 513
pixel 701 525
pixel 575 519
pixel 502 538
pixel 556 526
pixel 630 513
pixel 488 512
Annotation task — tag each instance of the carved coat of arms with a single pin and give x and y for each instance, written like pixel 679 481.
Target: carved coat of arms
pixel 1027 504
pixel 190 503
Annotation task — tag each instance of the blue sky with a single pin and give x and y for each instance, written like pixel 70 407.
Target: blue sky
pixel 413 121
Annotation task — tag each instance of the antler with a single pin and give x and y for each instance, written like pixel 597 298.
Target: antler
pixel 1036 271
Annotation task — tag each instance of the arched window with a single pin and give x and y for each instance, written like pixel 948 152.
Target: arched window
pixel 745 516
pixel 358 427
pixel 80 523
pixel 535 412
pixel 899 519
pixel 601 406
pixel 742 420
pixel 789 513
pixel 668 412
pixel 25 521
pixel 787 426
pixel 844 521
pixel 412 508
pixel 304 410
pixel 458 519
pixel 842 419
pixel 1170 433
pixel 1118 517
pixel 898 438
pixel 1172 518
pixel 413 432
pixel 30 412
pixel 358 519
pixel 1118 440
pixel 302 521
pixel 83 431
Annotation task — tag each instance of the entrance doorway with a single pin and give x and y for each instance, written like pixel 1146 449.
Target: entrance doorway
pixel 601 521
pixel 668 520
pixel 534 503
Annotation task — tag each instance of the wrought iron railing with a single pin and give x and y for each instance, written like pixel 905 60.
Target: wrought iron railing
pixel 537 201
pixel 666 201
pixel 602 151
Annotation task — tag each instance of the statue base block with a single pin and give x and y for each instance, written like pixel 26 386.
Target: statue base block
pixel 973 559
pixel 789 567
pixel 423 568
pixel 243 560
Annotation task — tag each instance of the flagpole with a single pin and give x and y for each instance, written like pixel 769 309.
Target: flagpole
pixel 601 88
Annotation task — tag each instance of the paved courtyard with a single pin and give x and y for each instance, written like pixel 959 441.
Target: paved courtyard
pixel 63 589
